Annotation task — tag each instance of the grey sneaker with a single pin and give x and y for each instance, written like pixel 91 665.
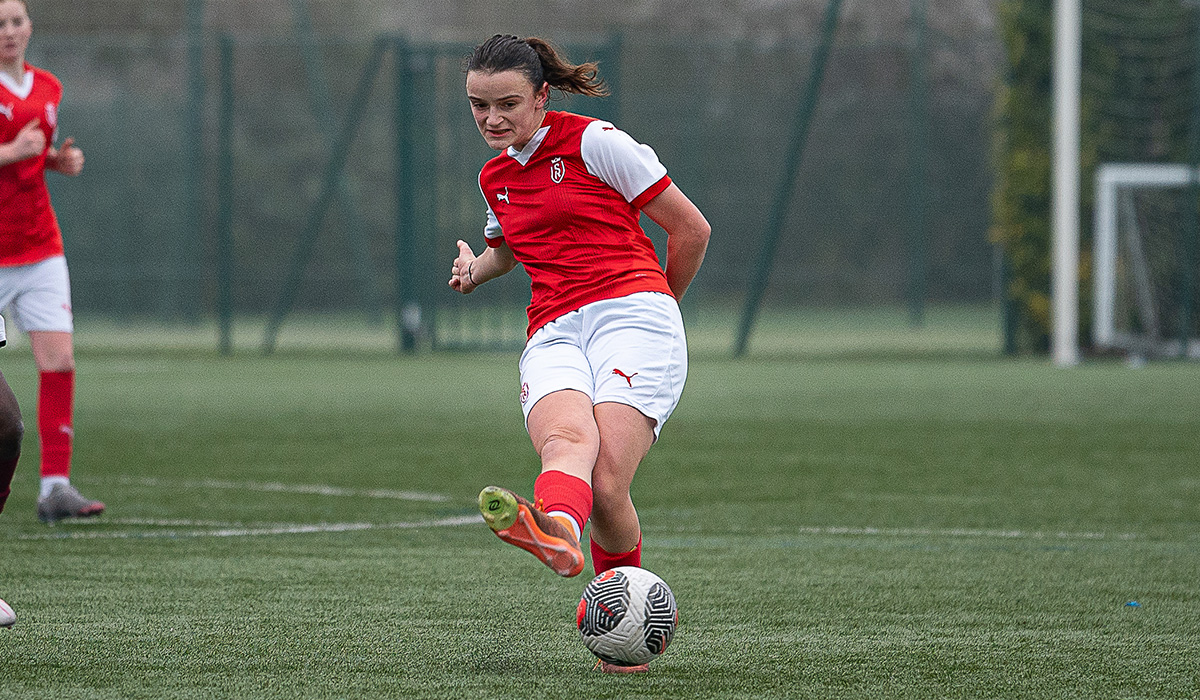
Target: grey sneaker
pixel 64 501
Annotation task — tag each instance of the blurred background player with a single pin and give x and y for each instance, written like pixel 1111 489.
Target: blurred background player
pixel 33 270
pixel 606 358
pixel 11 430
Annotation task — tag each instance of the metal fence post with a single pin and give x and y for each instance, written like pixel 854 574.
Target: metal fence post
pixel 225 190
pixel 408 312
pixel 1191 220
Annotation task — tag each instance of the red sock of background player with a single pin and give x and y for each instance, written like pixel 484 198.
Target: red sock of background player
pixel 56 394
pixel 562 495
pixel 603 561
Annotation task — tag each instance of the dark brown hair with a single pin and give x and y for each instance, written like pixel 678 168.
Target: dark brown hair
pixel 539 61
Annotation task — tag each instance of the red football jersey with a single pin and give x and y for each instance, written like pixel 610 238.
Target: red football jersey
pixel 29 230
pixel 567 205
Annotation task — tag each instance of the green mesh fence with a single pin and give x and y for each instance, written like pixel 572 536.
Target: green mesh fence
pixel 716 113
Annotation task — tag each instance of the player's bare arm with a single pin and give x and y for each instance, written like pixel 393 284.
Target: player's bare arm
pixel 469 271
pixel 687 236
pixel 66 159
pixel 30 142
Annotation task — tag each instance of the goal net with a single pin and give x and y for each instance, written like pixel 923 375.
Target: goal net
pixel 1141 82
pixel 1147 285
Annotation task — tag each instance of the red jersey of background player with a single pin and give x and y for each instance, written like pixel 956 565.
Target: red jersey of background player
pixel 29 230
pixel 567 205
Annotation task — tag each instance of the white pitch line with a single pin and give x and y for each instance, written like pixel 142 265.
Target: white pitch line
pixel 281 529
pixel 960 532
pixel 152 522
pixel 275 487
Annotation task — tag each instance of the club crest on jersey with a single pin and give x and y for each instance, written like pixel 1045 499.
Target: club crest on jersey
pixel 7 110
pixel 557 170
pixel 51 114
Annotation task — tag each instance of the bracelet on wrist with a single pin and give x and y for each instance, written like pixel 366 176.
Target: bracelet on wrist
pixel 469 276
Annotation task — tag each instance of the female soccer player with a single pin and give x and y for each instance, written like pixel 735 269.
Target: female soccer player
pixel 33 270
pixel 606 357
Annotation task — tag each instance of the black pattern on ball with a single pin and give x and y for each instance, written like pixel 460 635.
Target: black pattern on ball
pixel 660 618
pixel 604 602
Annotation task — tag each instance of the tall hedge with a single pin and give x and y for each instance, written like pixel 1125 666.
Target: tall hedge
pixel 1021 203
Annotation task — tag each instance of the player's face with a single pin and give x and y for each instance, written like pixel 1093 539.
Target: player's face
pixel 507 109
pixel 15 30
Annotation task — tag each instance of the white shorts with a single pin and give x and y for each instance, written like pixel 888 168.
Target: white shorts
pixel 38 295
pixel 629 350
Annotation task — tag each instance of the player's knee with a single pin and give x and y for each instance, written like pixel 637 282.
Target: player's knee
pixel 608 491
pixel 571 437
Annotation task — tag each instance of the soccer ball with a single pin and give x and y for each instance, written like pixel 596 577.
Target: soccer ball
pixel 627 616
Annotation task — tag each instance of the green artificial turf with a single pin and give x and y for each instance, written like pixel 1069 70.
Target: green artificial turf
pixel 908 527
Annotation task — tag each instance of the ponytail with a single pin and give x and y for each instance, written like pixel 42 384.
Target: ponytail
pixel 540 62
pixel 582 79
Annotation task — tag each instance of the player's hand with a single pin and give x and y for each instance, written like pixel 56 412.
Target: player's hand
pixel 66 159
pixel 460 271
pixel 30 141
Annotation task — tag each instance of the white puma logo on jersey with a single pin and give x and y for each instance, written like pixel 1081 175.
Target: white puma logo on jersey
pixel 7 110
pixel 503 197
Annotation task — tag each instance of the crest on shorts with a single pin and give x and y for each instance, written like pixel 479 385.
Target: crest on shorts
pixel 557 170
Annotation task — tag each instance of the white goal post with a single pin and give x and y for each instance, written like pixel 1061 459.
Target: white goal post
pixel 1064 282
pixel 1119 250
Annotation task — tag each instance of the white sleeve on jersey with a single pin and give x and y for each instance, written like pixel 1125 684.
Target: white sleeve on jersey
pixel 491 230
pixel 613 156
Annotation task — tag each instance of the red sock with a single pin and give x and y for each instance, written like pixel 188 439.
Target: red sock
pixel 555 490
pixel 56 393
pixel 603 561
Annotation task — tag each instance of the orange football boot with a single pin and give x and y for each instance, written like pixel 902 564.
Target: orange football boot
pixel 517 521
